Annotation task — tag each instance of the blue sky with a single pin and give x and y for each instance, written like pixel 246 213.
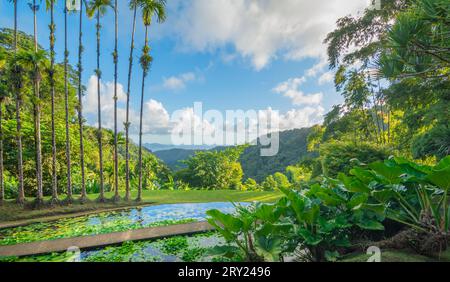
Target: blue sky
pixel 227 54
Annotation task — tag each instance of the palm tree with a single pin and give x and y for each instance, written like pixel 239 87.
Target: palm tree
pixel 35 62
pixel 98 8
pixel 69 198
pixel 3 96
pixel 149 9
pixel 133 5
pixel 116 59
pixel 16 85
pixel 50 4
pixel 83 197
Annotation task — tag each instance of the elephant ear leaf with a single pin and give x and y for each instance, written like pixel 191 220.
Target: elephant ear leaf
pixel 440 178
pixel 370 224
pixel 223 251
pixel 226 224
pixel 390 172
pixel 269 248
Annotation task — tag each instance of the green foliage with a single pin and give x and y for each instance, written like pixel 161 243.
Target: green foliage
pixel 317 220
pixel 214 169
pixel 155 174
pixel 337 157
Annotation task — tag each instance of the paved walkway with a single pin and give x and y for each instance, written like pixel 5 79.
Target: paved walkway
pixel 101 240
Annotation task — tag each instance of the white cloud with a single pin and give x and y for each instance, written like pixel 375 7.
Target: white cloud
pixel 158 121
pixel 291 90
pixel 258 30
pixel 327 77
pixel 155 116
pixel 175 83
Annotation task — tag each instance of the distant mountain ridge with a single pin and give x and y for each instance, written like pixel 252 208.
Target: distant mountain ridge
pixel 155 147
pixel 292 147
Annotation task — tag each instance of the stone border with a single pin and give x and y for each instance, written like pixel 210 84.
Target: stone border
pixel 101 240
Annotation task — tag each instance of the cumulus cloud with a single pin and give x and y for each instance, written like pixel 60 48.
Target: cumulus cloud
pixel 179 82
pixel 258 30
pixel 155 116
pixel 196 123
pixel 291 90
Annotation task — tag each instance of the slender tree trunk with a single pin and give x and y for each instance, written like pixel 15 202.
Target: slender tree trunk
pixel 54 199
pixel 127 122
pixel 2 185
pixel 377 118
pixel 99 134
pixel 83 198
pixel 69 199
pixel 144 74
pixel 21 191
pixel 116 58
pixel 380 101
pixel 40 192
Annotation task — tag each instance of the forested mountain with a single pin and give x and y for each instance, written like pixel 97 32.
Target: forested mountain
pixel 173 157
pixel 293 147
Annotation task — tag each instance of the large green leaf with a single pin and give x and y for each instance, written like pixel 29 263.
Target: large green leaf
pixel 389 172
pixel 310 238
pixel 440 178
pixel 370 224
pixel 269 248
pixel 227 221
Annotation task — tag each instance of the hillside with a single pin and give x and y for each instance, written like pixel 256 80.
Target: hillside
pixel 293 145
pixel 173 157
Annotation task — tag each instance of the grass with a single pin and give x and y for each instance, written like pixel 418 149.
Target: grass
pixel 12 212
pixel 399 256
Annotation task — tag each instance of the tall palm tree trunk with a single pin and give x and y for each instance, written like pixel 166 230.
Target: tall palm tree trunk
pixel 40 192
pixel 144 74
pixel 116 58
pixel 66 104
pixel 54 199
pixel 83 197
pixel 21 191
pixel 127 122
pixel 2 186
pixel 99 133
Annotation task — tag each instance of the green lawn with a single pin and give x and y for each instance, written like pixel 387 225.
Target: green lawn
pixel 11 212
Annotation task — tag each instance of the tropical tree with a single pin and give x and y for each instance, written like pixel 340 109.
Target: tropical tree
pixel 34 62
pixel 149 8
pixel 3 97
pixel 16 87
pixel 116 59
pixel 69 198
pixel 133 5
pixel 50 4
pixel 98 8
pixel 83 197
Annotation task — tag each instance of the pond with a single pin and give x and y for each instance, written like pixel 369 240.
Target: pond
pixel 117 221
pixel 193 248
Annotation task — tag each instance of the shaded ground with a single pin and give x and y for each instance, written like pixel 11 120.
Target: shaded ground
pixel 11 212
pixel 399 256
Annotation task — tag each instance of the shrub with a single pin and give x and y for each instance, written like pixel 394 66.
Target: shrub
pixel 336 157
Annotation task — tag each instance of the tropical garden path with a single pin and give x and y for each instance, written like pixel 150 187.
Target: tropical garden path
pixel 101 240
